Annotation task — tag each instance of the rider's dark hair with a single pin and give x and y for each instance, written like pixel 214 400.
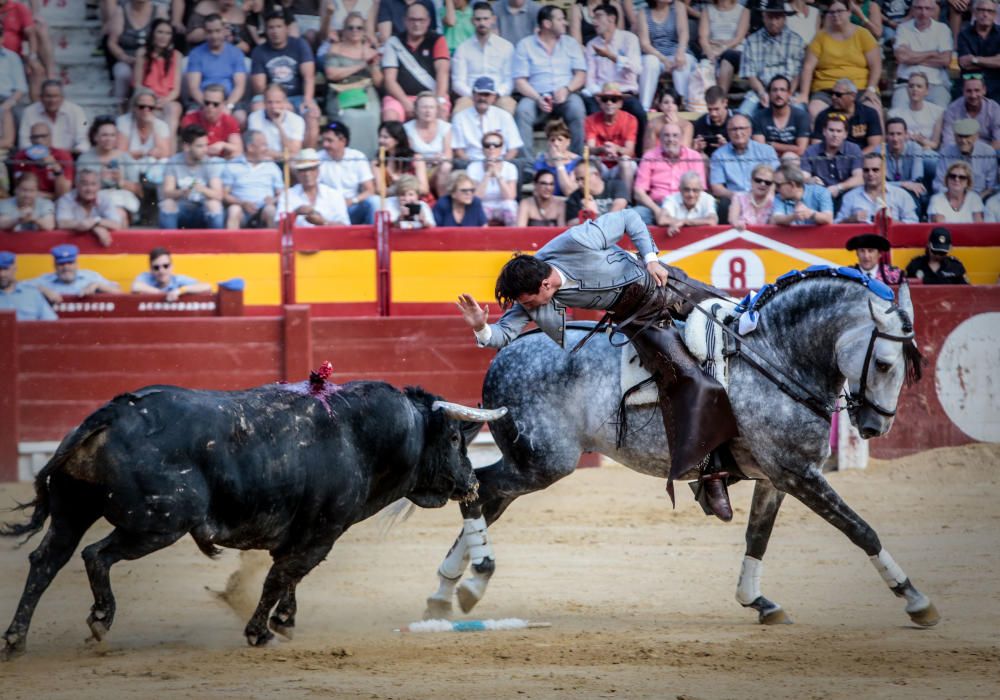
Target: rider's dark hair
pixel 523 274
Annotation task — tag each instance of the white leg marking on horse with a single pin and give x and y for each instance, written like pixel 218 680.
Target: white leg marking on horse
pixel 748 588
pixel 888 569
pixel 455 562
pixel 476 541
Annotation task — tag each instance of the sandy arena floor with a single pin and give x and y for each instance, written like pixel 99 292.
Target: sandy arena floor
pixel 640 599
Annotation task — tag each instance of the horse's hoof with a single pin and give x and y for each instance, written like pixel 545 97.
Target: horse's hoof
pixel 774 617
pixel 467 597
pixel 259 640
pixel 928 617
pixel 438 609
pixel 282 627
pixel 768 612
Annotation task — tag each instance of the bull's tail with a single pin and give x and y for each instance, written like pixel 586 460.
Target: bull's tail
pixel 95 424
pixel 40 504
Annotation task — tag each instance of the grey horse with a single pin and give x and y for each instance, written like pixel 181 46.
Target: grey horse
pixel 814 330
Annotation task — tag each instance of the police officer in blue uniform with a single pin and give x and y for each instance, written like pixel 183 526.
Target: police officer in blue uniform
pixel 27 301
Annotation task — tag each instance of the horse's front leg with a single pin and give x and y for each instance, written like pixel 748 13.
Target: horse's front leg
pixel 816 493
pixel 472 544
pixel 763 511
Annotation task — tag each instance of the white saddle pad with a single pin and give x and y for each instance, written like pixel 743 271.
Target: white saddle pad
pixel 703 338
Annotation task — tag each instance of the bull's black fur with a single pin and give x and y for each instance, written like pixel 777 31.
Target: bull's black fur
pixel 287 468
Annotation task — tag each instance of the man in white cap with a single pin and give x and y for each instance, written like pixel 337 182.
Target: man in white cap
pixel 313 203
pixel 24 299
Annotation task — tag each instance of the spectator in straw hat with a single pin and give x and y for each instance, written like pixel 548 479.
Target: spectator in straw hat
pixel 869 248
pixel 313 203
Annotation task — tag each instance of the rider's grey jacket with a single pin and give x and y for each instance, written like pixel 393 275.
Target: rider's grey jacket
pixel 596 268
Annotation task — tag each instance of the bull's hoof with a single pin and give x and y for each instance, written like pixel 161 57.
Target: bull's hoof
pixel 99 627
pixel 12 649
pixel 467 596
pixel 259 640
pixel 438 609
pixel 928 617
pixel 286 628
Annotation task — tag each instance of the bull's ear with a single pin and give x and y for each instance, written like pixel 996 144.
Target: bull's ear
pixel 470 429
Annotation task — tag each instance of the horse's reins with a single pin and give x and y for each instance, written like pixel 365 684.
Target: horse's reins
pixel 813 401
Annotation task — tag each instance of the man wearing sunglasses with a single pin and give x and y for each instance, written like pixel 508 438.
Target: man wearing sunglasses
pixel 973 150
pixel 860 204
pixel 864 126
pixel 224 139
pixel 612 134
pixel 973 104
pixel 161 278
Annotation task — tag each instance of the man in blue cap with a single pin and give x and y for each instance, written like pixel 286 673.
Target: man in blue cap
pixel 27 301
pixel 68 279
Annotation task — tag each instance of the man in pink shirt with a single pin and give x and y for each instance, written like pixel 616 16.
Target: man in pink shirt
pixel 660 172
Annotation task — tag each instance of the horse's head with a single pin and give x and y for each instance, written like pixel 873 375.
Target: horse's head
pixel 877 356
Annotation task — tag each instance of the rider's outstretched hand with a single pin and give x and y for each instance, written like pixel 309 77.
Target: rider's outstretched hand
pixel 658 271
pixel 474 314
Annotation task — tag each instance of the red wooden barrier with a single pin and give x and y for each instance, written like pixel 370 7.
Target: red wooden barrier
pixel 9 398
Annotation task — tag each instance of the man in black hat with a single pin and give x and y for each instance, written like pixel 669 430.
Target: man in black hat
pixel 869 248
pixel 936 266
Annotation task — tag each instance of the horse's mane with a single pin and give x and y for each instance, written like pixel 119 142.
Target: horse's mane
pixel 913 359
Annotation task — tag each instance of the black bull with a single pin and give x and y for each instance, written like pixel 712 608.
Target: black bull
pixel 286 468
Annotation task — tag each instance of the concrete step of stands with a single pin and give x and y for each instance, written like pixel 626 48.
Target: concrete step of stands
pixel 64 12
pixel 74 37
pixel 75 43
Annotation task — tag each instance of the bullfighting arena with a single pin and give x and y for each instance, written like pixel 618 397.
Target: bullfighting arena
pixel 640 599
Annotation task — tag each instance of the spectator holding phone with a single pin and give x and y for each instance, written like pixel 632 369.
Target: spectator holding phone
pixel 406 210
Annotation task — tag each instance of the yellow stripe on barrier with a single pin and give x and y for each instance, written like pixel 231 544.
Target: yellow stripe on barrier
pixel 428 277
pixel 332 276
pixel 260 271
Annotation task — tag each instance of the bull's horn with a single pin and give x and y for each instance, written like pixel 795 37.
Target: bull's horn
pixel 460 412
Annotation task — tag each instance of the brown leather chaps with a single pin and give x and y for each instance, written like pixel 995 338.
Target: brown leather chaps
pixel 696 410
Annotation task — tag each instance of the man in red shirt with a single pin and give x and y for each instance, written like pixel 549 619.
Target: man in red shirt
pixel 20 28
pixel 52 166
pixel 224 140
pixel 611 134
